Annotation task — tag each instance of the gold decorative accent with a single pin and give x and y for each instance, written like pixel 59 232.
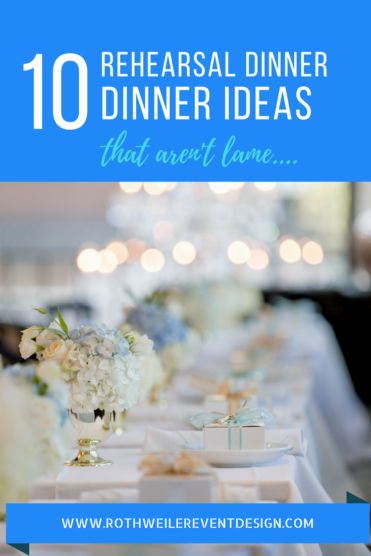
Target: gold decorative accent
pixel 155 395
pixel 173 464
pixel 234 399
pixel 87 455
pixel 91 428
pixel 120 424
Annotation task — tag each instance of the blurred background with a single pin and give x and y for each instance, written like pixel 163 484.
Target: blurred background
pixel 88 248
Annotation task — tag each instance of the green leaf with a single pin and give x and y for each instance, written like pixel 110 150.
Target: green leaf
pixel 57 332
pixel 62 322
pixel 131 340
pixel 42 311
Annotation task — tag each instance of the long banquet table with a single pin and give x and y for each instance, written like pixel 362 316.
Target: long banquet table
pixel 316 397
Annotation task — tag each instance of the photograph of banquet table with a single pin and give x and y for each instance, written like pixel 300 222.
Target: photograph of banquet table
pixel 193 267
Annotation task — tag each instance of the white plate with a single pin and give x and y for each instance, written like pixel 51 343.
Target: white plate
pixel 244 458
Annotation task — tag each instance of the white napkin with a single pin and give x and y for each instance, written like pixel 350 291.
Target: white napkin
pixel 110 495
pixel 238 493
pixel 293 437
pixel 158 440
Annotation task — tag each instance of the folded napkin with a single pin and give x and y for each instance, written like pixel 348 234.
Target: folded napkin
pixel 110 495
pixel 238 493
pixel 159 440
pixel 293 437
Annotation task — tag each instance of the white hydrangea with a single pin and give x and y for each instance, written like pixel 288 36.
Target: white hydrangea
pixel 151 371
pixel 31 424
pixel 102 370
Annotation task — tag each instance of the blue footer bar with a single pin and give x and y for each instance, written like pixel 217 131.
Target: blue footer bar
pixel 187 523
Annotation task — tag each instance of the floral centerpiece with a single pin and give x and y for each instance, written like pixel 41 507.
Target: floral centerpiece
pixel 151 371
pixel 101 367
pixel 35 433
pixel 212 305
pixel 174 342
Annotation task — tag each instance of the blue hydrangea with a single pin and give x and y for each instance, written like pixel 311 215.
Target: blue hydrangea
pixel 102 340
pixel 21 371
pixel 162 326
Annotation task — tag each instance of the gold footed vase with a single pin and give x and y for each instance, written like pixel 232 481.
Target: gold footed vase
pixel 120 422
pixel 92 428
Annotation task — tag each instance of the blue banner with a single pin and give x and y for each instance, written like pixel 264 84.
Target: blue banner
pixel 187 523
pixel 157 91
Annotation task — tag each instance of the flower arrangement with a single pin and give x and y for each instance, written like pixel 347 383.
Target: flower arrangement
pixel 174 342
pixel 213 305
pixel 151 371
pixel 35 434
pixel 100 365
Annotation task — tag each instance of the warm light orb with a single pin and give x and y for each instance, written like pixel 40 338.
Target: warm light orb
pixel 184 252
pixel 265 185
pixel 258 260
pixel 130 186
pixel 152 260
pixel 108 262
pixel 290 251
pixel 221 188
pixel 170 185
pixel 155 188
pixel 88 260
pixel 238 252
pixel 312 253
pixel 120 250
pixel 136 248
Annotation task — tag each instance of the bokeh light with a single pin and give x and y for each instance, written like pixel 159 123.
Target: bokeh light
pixel 258 260
pixel 312 253
pixel 265 185
pixel 238 252
pixel 221 188
pixel 184 252
pixel 120 250
pixel 130 186
pixel 289 250
pixel 88 260
pixel 152 260
pixel 108 261
pixel 155 188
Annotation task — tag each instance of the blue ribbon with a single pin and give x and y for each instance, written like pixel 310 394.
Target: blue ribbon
pixel 243 418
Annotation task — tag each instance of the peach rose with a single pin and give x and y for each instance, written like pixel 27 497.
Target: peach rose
pixel 57 351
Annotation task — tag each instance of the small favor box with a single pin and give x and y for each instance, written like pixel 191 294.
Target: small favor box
pixel 234 437
pixel 201 488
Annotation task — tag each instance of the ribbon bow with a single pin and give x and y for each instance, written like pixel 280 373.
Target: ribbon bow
pixel 253 417
pixel 173 464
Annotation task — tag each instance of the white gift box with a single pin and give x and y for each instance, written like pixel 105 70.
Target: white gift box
pixel 178 488
pixel 234 437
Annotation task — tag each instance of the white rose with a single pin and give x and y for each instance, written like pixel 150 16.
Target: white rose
pixel 32 332
pixel 28 346
pixel 46 338
pixel 49 371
